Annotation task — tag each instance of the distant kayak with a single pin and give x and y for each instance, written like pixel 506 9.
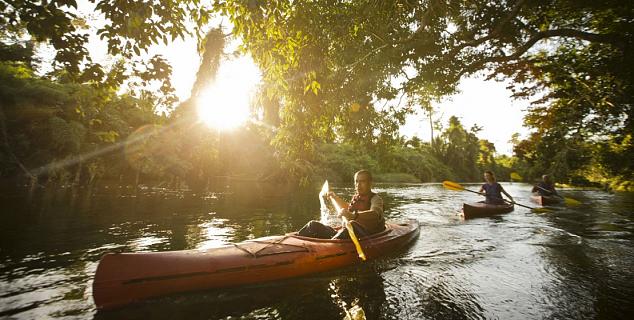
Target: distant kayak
pixel 481 209
pixel 545 200
pixel 124 278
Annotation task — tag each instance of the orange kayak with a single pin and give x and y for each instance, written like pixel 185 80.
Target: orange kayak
pixel 481 209
pixel 124 278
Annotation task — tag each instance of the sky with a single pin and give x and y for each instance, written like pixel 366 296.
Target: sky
pixel 485 103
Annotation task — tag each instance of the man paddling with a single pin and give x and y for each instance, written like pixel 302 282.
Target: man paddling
pixel 545 187
pixel 365 212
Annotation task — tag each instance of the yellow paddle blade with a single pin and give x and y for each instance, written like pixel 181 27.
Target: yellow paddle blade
pixel 353 236
pixel 571 201
pixel 541 210
pixel 452 186
pixel 516 176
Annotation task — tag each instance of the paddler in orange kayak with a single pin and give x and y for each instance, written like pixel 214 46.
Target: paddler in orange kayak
pixel 365 212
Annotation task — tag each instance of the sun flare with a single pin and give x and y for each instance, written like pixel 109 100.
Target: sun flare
pixel 225 105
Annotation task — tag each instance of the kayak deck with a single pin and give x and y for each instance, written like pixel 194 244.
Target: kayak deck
pixel 124 278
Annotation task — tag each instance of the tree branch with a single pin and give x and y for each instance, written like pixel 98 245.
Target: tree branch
pixel 612 39
pixel 476 42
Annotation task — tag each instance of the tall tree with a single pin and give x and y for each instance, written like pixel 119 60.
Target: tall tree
pixel 363 51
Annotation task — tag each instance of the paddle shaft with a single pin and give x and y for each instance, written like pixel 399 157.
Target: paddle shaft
pixel 513 202
pixel 348 225
pixel 556 194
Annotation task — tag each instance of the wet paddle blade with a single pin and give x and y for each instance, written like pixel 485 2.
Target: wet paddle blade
pixel 541 210
pixel 571 201
pixel 515 176
pixel 452 186
pixel 324 189
pixel 354 238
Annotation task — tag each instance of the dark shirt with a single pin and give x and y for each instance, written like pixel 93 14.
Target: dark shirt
pixel 543 185
pixel 493 193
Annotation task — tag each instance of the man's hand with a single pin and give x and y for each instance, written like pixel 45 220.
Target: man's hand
pixel 344 212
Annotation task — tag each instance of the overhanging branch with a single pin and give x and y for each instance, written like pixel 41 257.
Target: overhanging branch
pixel 612 39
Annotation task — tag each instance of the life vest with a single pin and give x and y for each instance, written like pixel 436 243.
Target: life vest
pixel 371 222
pixel 361 202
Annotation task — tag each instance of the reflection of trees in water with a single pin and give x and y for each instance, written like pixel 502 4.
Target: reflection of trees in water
pixel 260 209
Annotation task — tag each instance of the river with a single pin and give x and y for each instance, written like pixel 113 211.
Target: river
pixel 572 262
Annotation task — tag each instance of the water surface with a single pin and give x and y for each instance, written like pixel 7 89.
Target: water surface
pixel 573 262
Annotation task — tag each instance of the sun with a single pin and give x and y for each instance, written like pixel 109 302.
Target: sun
pixel 226 104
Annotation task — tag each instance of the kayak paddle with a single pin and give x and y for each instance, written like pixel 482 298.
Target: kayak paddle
pixel 516 176
pixel 458 187
pixel 347 224
pixel 568 201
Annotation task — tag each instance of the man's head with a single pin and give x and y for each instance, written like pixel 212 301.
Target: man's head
pixel 363 182
pixel 546 178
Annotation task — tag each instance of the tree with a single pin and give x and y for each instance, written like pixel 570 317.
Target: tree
pixel 460 149
pixel 132 26
pixel 361 51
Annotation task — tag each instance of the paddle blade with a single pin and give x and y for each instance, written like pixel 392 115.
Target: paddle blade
pixel 571 201
pixel 541 210
pixel 452 186
pixel 324 189
pixel 516 176
pixel 354 238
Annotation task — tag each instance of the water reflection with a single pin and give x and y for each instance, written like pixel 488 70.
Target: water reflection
pixel 574 262
pixel 145 243
pixel 214 234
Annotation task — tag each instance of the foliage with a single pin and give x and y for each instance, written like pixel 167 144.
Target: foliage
pixel 58 131
pixel 395 178
pixel 335 73
pixel 132 26
pixel 341 161
pixel 572 50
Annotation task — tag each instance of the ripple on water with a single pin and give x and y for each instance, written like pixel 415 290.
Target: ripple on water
pixel 572 262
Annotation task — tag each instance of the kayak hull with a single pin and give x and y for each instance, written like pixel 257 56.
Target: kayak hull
pixel 545 200
pixel 124 278
pixel 481 209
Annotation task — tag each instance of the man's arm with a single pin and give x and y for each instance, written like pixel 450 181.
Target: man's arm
pixel 343 206
pixel 507 195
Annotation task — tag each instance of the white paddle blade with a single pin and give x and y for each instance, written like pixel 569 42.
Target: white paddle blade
pixel 324 189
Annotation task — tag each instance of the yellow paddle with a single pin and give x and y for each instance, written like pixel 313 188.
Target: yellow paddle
pixel 348 225
pixel 458 187
pixel 567 201
pixel 516 176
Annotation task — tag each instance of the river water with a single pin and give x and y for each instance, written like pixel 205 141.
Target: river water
pixel 570 263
